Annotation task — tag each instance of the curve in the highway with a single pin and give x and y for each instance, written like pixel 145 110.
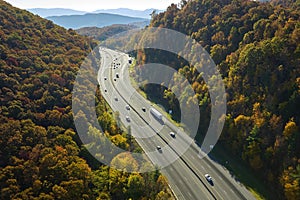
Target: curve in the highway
pixel 216 192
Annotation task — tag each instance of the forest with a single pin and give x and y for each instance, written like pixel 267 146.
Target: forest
pixel 41 156
pixel 104 32
pixel 256 47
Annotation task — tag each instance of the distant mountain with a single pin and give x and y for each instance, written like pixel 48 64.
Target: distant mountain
pixel 129 12
pixel 47 12
pixel 94 20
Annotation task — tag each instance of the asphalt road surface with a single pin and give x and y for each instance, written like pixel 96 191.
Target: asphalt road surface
pixel 180 158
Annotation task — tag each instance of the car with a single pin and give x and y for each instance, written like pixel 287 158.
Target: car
pixel 127 107
pixel 172 134
pixel 117 75
pixel 105 90
pixel 115 79
pixel 116 98
pixel 127 118
pixel 208 178
pixel 144 109
pixel 105 78
pixel 158 148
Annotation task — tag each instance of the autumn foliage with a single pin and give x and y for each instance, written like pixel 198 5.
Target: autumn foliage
pixel 256 47
pixel 41 156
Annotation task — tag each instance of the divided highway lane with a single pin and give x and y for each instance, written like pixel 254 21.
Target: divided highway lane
pixel 184 184
pixel 224 188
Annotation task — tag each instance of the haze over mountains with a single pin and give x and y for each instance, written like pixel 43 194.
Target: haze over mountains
pixel 129 12
pixel 47 12
pixel 95 20
pixel 76 19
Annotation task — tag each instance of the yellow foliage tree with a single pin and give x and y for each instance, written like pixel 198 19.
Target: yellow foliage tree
pixel 290 129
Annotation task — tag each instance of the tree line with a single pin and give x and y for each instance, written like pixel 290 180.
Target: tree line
pixel 41 155
pixel 256 47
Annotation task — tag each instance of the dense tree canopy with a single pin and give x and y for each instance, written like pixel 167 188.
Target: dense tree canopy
pixel 256 47
pixel 105 32
pixel 41 156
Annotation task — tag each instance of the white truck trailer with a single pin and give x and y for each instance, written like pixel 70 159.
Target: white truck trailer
pixel 156 114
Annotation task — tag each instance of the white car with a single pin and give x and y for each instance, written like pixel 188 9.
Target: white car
pixel 172 134
pixel 208 178
pixel 127 107
pixel 127 118
pixel 158 148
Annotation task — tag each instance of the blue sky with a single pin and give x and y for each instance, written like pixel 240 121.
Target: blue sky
pixel 92 5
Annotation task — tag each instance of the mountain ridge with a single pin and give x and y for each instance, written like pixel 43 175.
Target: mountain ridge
pixel 94 20
pixel 130 12
pixel 103 33
pixel 47 12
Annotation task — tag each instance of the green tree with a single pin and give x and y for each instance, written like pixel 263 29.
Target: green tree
pixel 135 186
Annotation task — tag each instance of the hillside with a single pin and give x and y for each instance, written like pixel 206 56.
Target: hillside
pixel 105 32
pixel 41 156
pixel 93 20
pixel 256 47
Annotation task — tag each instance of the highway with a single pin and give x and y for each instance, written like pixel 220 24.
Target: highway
pixel 180 158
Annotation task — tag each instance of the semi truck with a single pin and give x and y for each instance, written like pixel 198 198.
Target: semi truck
pixel 156 114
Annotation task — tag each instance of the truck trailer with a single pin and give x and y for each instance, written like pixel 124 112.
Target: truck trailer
pixel 156 114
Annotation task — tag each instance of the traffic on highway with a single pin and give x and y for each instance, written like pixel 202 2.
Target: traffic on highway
pixel 190 175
